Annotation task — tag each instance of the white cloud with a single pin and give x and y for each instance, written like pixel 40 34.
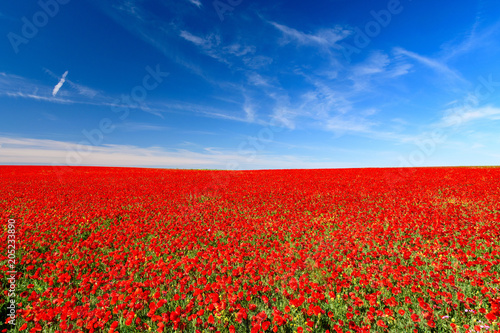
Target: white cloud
pixel 82 90
pixel 376 63
pixel 37 97
pixel 197 3
pixel 348 124
pixel 194 39
pixel 324 37
pixel 399 70
pixel 239 50
pixel 257 61
pixel 153 30
pixel 257 80
pixel 457 116
pixel 210 45
pixel 324 100
pixel 60 84
pixel 19 87
pixel 284 116
pixel 213 46
pixel 129 7
pixel 438 66
pixel 249 111
pixel 50 152
pixel 378 66
pixel 474 40
pixel 202 110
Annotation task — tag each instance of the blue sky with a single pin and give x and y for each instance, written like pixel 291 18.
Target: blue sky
pixel 238 84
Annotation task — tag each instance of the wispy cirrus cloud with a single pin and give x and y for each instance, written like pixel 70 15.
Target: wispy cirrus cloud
pixel 439 66
pixel 256 79
pixel 197 3
pixel 210 45
pixel 324 37
pixel 257 62
pixel 15 86
pixel 37 97
pixel 475 39
pixel 205 43
pixel 83 90
pixel 230 54
pixel 131 7
pixel 249 110
pixel 376 63
pixel 52 152
pixel 343 124
pixel 238 50
pixel 252 66
pixel 457 117
pixel 379 66
pixel 152 29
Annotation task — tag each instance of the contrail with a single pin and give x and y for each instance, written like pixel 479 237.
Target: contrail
pixel 60 84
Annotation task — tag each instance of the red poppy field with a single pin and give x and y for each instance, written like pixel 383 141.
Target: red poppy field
pixel 345 250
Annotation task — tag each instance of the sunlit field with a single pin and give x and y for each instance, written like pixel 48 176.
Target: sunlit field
pixel 345 250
